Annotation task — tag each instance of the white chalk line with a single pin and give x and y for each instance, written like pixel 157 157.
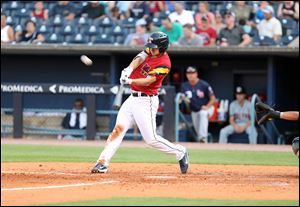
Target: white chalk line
pixel 38 173
pixel 59 186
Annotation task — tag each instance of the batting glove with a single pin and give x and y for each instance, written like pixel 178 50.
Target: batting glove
pixel 125 80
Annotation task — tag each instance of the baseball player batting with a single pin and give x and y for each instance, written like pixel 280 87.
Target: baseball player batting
pixel 145 75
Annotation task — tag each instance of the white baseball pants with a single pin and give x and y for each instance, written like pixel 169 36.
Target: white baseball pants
pixel 142 111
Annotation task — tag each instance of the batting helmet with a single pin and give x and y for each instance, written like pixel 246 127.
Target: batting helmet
pixel 158 40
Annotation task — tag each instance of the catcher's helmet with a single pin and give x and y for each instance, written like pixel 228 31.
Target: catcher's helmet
pixel 158 40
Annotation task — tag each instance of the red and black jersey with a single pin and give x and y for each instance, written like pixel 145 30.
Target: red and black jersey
pixel 155 66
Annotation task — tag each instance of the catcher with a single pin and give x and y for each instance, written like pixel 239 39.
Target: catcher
pixel 265 113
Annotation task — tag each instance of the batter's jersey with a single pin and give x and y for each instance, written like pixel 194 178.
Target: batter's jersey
pixel 241 114
pixel 198 94
pixel 154 66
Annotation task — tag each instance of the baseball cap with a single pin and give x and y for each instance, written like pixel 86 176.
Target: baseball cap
pixel 141 22
pixel 230 13
pixel 240 90
pixel 191 69
pixel 268 9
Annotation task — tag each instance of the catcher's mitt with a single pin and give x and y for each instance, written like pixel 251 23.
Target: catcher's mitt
pixel 265 113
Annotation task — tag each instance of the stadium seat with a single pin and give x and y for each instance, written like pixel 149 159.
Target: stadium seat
pixel 91 30
pixel 23 13
pixel 287 26
pixel 19 28
pixel 29 5
pixel 263 41
pixel 82 21
pixel 79 39
pixel 11 21
pixel 57 21
pixel 44 29
pixel 118 34
pixel 67 29
pixel 103 39
pixel 156 22
pixel 53 38
pixel 285 40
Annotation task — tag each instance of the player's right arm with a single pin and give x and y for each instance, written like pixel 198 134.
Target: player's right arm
pixel 289 115
pixel 135 63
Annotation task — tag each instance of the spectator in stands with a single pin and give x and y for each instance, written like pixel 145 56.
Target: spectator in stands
pixel 204 11
pixel 140 37
pixel 289 9
pixel 189 37
pixel 207 32
pixel 181 15
pixel 241 10
pixel 116 15
pixel 173 29
pixel 93 10
pixel 233 34
pixel 77 119
pixel 139 9
pixel 7 32
pixel 200 97
pixel 240 118
pixel 39 11
pixel 29 35
pixel 124 7
pixel 155 7
pixel 270 26
pixel 170 6
pixel 259 14
pixel 218 25
pixel 65 9
pixel 150 26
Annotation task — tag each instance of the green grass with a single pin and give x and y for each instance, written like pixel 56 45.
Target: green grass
pixel 178 202
pixel 44 153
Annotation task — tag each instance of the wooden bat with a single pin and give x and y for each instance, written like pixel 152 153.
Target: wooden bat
pixel 118 99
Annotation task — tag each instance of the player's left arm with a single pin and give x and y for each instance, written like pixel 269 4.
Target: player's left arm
pixel 144 81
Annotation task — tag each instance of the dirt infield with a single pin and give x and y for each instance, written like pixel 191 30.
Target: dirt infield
pixel 40 183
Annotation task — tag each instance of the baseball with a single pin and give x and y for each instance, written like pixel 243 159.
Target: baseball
pixel 86 60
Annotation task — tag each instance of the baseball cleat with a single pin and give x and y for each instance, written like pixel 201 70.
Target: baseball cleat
pixel 99 168
pixel 184 163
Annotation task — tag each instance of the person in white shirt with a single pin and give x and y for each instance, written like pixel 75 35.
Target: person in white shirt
pixel 181 15
pixel 7 32
pixel 270 26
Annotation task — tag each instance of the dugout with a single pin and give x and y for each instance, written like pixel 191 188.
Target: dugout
pixel 268 71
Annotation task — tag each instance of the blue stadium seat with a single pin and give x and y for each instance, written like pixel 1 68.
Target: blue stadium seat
pixel 287 39
pixel 53 38
pixel 68 29
pixel 103 39
pixel 57 21
pixel 263 41
pixel 83 21
pixel 287 26
pixel 23 13
pixel 13 5
pixel 156 22
pixel 91 30
pixel 79 39
pixel 19 28
pixel 29 5
pixel 44 29
pixel 118 34
pixel 11 21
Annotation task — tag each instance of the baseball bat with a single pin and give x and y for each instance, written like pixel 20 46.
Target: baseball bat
pixel 118 99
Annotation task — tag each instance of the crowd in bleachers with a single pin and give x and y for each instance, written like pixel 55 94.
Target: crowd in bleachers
pixel 195 23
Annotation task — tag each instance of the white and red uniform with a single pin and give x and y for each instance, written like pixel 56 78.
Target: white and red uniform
pixel 142 110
